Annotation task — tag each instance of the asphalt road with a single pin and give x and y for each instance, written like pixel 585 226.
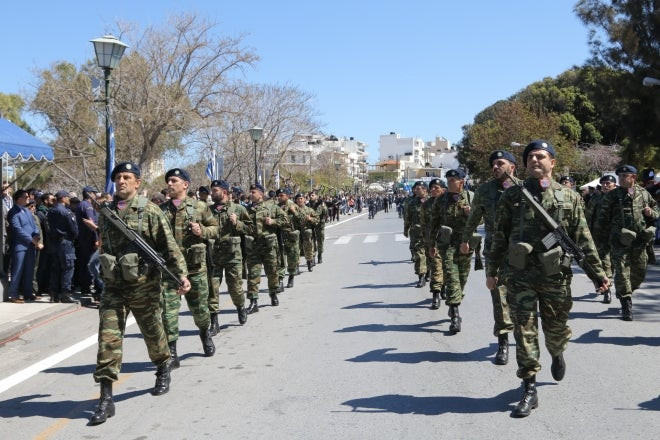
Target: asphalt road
pixel 352 352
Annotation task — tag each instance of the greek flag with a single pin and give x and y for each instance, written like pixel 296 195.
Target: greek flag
pixel 212 168
pixel 109 184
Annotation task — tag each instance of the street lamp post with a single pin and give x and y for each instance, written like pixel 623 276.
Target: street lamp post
pixel 109 51
pixel 255 134
pixel 311 182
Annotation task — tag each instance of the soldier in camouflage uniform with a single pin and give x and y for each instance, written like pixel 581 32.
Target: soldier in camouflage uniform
pixel 234 226
pixel 319 230
pixel 450 212
pixel 413 229
pixel 140 295
pixel 290 236
pixel 266 218
pixel 434 264
pixel 592 211
pixel 483 207
pixel 192 224
pixel 304 221
pixel 626 218
pixel 538 280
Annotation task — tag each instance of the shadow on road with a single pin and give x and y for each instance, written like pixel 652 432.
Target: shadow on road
pixel 381 305
pixel 395 328
pixel 386 355
pixel 651 405
pixel 79 370
pixel 380 286
pixel 378 263
pixel 593 337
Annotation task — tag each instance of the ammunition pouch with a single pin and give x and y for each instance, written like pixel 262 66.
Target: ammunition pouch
pixel 551 261
pixel 518 253
pixel 271 241
pixel 108 265
pixel 475 241
pixel 626 237
pixel 130 267
pixel 293 236
pixel 444 238
pixel 229 248
pixel 196 254
pixel 647 235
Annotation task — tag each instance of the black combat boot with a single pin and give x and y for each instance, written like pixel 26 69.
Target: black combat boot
pixel 626 308
pixel 309 266
pixel 502 355
pixel 435 302
pixel 319 259
pixel 273 299
pixel 558 367
pixel 456 320
pixel 427 276
pixel 106 407
pixel 242 314
pixel 607 296
pixel 280 286
pixel 174 359
pixel 421 282
pixel 207 342
pixel 529 401
pixel 443 292
pixel 253 307
pixel 289 284
pixel 215 326
pixel 162 379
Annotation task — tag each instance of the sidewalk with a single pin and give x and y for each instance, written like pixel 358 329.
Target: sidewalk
pixel 16 318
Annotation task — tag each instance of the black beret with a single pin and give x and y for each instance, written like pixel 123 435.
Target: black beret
pixel 538 144
pixel 177 172
pixel 221 183
pixel 203 189
pixel 125 167
pixel 257 186
pixel 438 182
pixel 299 195
pixel 501 154
pixel 563 179
pixel 419 183
pixel 608 178
pixel 626 169
pixel 458 173
pixel 286 191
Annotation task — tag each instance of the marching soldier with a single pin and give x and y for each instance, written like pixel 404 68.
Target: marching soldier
pixel 538 279
pixel 626 219
pixel 450 212
pixel 305 221
pixel 266 219
pixel 436 188
pixel 413 229
pixel 483 207
pixel 319 230
pixel 192 223
pixel 290 236
pixel 133 286
pixel 234 226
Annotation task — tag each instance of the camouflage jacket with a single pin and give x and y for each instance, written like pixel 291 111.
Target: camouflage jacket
pixel 258 213
pixel 448 211
pixel 153 227
pixel 592 211
pixel 226 229
pixel 291 210
pixel 622 208
pixel 412 213
pixel 180 217
pixel 483 208
pixel 300 221
pixel 516 222
pixel 321 212
pixel 425 220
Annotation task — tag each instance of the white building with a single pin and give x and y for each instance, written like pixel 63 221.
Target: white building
pixel 413 156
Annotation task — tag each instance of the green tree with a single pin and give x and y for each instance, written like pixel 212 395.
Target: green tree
pixel 11 107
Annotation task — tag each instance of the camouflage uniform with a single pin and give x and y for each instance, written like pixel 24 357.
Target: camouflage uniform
pixel 140 296
pixel 305 227
pixel 194 249
pixel 529 288
pixel 622 208
pixel 592 212
pixel 483 207
pixel 413 230
pixel 227 252
pixel 291 237
pixel 319 230
pixel 434 264
pixel 263 249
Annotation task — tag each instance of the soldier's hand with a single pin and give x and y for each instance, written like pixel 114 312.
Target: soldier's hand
pixel 491 283
pixel 232 218
pixel 195 228
pixel 466 209
pixel 433 252
pixel 604 285
pixel 268 221
pixel 185 287
pixel 465 248
pixel 647 211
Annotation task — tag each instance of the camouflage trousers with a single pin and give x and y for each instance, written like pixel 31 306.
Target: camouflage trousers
pixel 292 251
pixel 197 299
pixel 605 259
pixel 501 311
pixel 307 244
pixel 263 251
pixel 629 269
pixel 143 300
pixel 434 264
pixel 319 231
pixel 233 272
pixel 549 296
pixel 456 270
pixel 418 249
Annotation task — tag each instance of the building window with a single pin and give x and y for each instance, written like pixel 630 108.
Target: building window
pixel 293 158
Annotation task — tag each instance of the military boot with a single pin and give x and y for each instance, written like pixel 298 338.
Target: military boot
pixel 319 259
pixel 421 282
pixel 253 307
pixel 309 266
pixel 626 308
pixel 106 407
pixel 280 286
pixel 162 379
pixel 215 326
pixel 427 276
pixel 502 355
pixel 207 342
pixel 530 399
pixel 435 302
pixel 558 367
pixel 607 296
pixel 273 299
pixel 174 359
pixel 456 320
pixel 289 284
pixel 443 292
pixel 242 314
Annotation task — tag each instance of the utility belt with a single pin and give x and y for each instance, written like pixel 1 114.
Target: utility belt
pixel 128 267
pixel 267 240
pixel 628 238
pixel 447 238
pixel 522 257
pixel 228 248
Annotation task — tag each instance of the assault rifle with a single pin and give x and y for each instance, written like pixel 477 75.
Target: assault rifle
pixel 557 235
pixel 136 239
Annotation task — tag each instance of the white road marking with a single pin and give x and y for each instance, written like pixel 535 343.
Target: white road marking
pixel 401 237
pixel 344 239
pixel 370 239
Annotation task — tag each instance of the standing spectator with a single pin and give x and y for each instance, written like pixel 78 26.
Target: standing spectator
pixel 63 230
pixel 44 204
pixel 24 238
pixel 87 241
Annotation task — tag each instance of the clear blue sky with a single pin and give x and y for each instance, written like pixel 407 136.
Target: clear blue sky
pixel 419 68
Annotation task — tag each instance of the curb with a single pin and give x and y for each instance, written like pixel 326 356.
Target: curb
pixel 13 328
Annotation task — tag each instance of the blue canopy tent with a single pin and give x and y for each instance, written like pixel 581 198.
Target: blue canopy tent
pixel 19 146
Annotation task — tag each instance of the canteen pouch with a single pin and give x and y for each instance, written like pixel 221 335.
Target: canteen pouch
pixel 475 241
pixel 249 244
pixel 293 236
pixel 444 238
pixel 518 254
pixel 550 261
pixel 647 235
pixel 196 254
pixel 130 267
pixel 108 265
pixel 626 237
pixel 271 240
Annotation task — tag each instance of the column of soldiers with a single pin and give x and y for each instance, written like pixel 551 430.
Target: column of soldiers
pixel 197 243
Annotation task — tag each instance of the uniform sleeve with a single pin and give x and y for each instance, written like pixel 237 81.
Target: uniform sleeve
pixel 474 219
pixel 165 244
pixel 582 237
pixel 501 232
pixel 244 223
pixel 603 226
pixel 209 223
